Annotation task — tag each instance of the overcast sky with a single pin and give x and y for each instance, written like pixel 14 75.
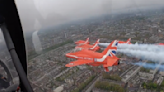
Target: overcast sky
pixel 36 13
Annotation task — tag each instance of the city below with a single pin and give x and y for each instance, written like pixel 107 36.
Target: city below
pixel 47 71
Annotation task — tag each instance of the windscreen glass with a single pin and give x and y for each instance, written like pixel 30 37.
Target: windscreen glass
pixel 53 28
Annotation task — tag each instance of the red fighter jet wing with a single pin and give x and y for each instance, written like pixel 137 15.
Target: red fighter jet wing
pixel 78 62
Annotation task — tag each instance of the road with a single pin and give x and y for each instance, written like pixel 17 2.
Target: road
pixel 91 84
pixel 126 71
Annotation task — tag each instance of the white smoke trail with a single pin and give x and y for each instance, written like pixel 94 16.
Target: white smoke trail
pixel 143 47
pixel 152 56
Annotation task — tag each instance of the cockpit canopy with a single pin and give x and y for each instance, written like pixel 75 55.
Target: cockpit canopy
pixel 80 44
pixel 76 50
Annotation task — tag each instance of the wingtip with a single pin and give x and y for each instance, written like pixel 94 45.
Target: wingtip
pixel 67 65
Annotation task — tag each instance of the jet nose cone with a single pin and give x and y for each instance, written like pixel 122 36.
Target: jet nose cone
pixel 67 65
pixel 77 42
pixel 70 55
pixel 67 55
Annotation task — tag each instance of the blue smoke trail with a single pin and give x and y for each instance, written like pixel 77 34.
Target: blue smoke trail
pixel 150 65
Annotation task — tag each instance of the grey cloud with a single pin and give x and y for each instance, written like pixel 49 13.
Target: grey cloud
pixel 52 12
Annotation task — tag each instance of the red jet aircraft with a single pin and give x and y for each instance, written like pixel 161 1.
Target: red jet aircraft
pixel 128 41
pixel 93 47
pixel 82 42
pixel 84 56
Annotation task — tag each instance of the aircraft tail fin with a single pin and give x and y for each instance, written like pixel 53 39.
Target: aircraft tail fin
pixel 87 40
pixel 128 41
pixel 111 49
pixel 95 44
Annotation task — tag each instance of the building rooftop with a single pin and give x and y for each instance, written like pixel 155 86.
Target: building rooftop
pixel 59 89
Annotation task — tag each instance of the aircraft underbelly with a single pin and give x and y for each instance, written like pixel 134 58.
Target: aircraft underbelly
pixel 95 64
